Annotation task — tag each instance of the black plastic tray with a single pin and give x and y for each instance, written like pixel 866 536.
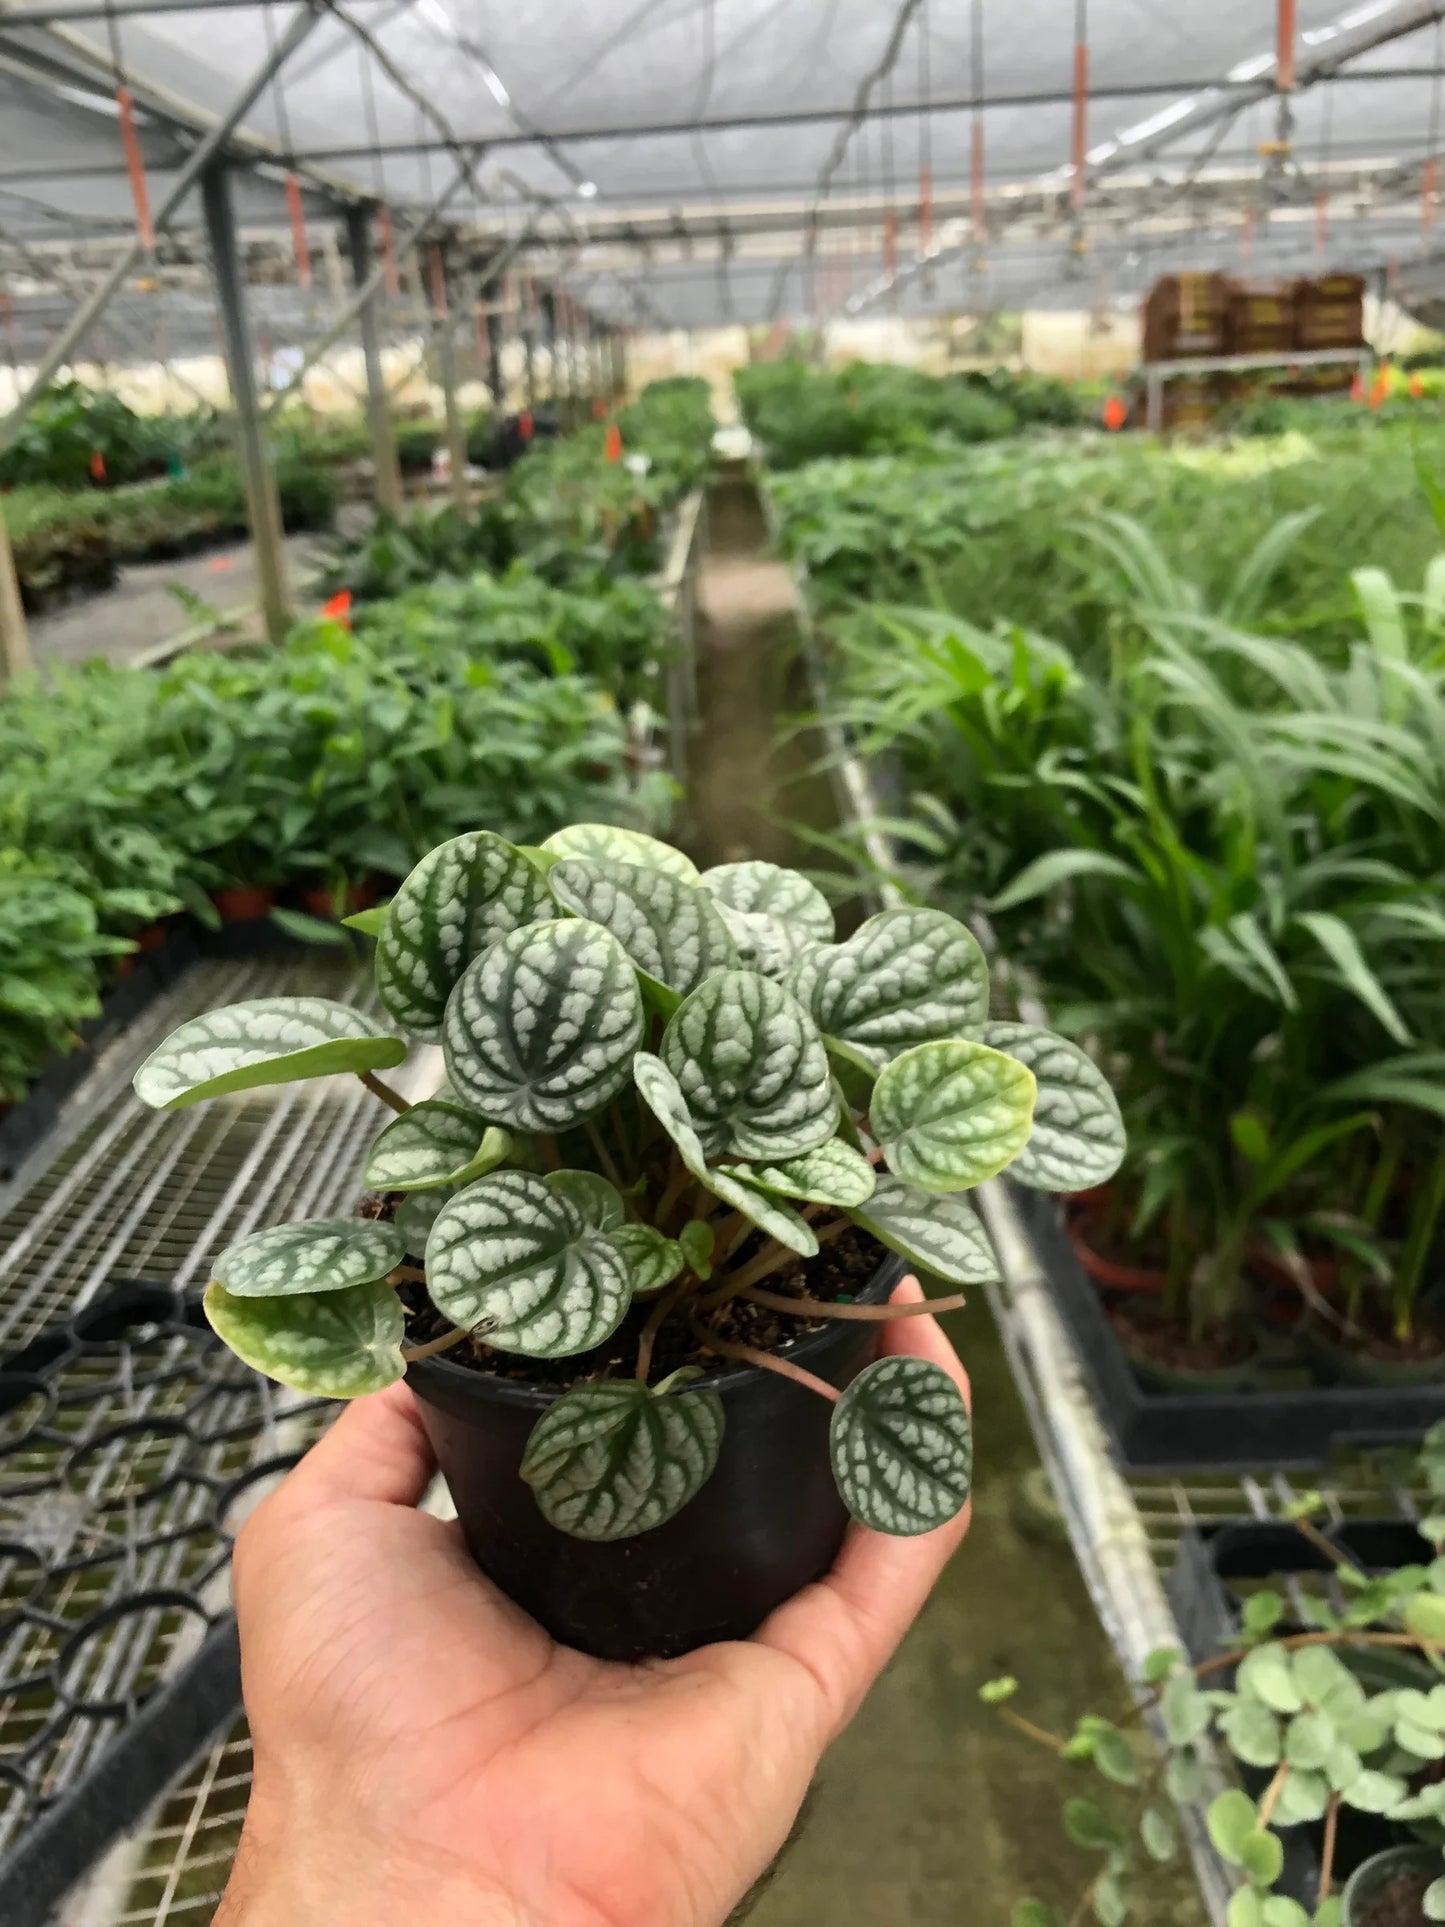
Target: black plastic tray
pixel 1285 1430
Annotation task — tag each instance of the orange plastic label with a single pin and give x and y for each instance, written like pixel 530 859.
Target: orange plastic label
pixel 135 168
pixel 338 609
pixel 97 465
pixel 613 447
pixel 1115 414
pixel 524 424
pixel 299 246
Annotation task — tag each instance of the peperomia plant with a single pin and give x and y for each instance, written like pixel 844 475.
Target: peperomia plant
pixel 662 1090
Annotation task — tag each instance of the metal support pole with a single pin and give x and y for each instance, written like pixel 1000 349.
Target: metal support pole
pixel 263 503
pixel 447 370
pixel 491 294
pixel 378 415
pixel 530 356
pixel 14 637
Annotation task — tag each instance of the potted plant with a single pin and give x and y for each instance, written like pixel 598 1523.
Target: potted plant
pixel 630 1251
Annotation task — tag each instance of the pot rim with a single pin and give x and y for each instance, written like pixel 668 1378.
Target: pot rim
pixel 513 1391
pixel 1406 1855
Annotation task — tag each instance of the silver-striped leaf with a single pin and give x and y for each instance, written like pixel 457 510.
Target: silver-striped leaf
pixel 613 1460
pixel 831 1173
pixel 1078 1135
pixel 663 1096
pixel 670 929
pixel 949 1115
pixel 765 943
pixel 767 889
pixel 461 897
pixel 514 1260
pixel 595 1200
pixel 267 1040
pixel 902 1446
pixel 624 846
pixel 435 1142
pixel 327 1344
pixel 653 1261
pixel 697 1241
pixel 904 977
pixel 942 1235
pixel 417 1213
pixel 751 1067
pixel 322 1254
pixel 540 1030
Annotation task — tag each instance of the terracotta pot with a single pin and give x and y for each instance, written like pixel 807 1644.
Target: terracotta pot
pixel 1266 1263
pixel 1096 1196
pixel 244 902
pixel 155 936
pixel 1107 1272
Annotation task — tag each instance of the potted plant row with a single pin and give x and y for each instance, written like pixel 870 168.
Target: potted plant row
pixel 631 1251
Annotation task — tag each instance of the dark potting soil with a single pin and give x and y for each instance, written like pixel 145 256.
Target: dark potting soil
pixel 1399 1903
pixel 1425 1344
pixel 1172 1347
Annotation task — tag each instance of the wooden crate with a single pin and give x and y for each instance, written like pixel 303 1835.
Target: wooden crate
pixel 1261 318
pixel 1330 312
pixel 1185 315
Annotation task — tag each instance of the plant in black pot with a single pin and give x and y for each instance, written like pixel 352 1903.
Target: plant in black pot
pixel 632 1252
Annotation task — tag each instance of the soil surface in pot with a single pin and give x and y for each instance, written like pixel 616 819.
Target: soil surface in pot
pixel 1399 1903
pixel 1113 1243
pixel 1171 1346
pixel 1424 1346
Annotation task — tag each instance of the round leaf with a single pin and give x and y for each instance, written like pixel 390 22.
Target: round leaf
pixel 1265 1674
pixel 1231 1819
pixel 596 1201
pixel 653 1261
pixel 326 1254
pixel 610 1461
pixel 831 1173
pixel 540 1030
pixel 416 1214
pixel 1251 1732
pixel 904 977
pixel 433 1143
pixel 942 1235
pixel 331 1344
pixel 696 1240
pixel 763 943
pixel 269 1040
pixel 950 1115
pixel 670 929
pixel 1078 1134
pixel 461 897
pixel 624 846
pixel 901 1446
pixel 751 1067
pixel 756 888
pixel 1156 1830
pixel 515 1260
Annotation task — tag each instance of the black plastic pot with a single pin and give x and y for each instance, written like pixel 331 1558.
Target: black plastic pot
pixel 1369 1881
pixel 768 1522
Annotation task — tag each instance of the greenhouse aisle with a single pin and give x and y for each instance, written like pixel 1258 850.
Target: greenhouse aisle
pixel 929 1811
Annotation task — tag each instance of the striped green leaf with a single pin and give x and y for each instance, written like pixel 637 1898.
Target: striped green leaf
pixel 697 1241
pixel 593 1197
pixel 670 929
pixel 623 846
pixel 514 1259
pixel 461 897
pixel 949 1115
pixel 902 1447
pixel 324 1254
pixel 610 1461
pixel 765 943
pixel 653 1261
pixel 905 977
pixel 831 1173
pixel 269 1040
pixel 435 1142
pixel 756 888
pixel 329 1344
pixel 944 1236
pixel 1078 1135
pixel 417 1212
pixel 751 1067
pixel 541 1028
pixel 663 1096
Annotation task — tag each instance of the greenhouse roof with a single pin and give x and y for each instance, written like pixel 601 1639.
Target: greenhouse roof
pixel 689 161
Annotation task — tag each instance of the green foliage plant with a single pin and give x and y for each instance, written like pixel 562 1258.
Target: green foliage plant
pixel 644 1105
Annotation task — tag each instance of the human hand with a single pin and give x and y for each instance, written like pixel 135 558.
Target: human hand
pixel 425 1752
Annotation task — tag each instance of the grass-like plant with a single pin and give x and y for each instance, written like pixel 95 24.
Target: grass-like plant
pixel 660 1087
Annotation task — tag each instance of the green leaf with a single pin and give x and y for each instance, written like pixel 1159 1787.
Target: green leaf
pixel 901 1446
pixel 1251 1732
pixel 1262 1856
pixel 1303 1797
pixel 1330 1913
pixel 416 1214
pixel 435 1142
pixel 1161 1663
pixel 1112 1753
pixel 764 943
pixel 669 929
pixel 1232 1818
pixel 1033 1913
pixel 662 1094
pixel 330 1344
pixel 609 1461
pixel 1262 1613
pixel 942 1235
pixel 1156 1830
pixel 994 1692
pixel 1281 1911
pixel 1110 1907
pixel 460 898
pixel 1184 1709
pixel 653 1261
pixel 1425 1615
pixel 904 977
pixel 324 1254
pixel 697 1239
pixel 1374 1792
pixel 1340 944
pixel 1060 866
pixel 1078 1135
pixel 1326 1682
pixel 949 1115
pixel 1265 1675
pixel 596 1201
pixel 370 922
pixel 1434 1901
pixel 1184 1776
pixel 831 1173
pixel 514 1258
pixel 1087 1825
pixel 1246 1909
pixel 623 846
pixel 756 888
pixel 751 1068
pixel 540 1031
pixel 306 929
pixel 269 1040
pixel 1309 1740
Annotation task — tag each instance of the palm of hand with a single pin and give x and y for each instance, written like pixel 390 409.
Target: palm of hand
pixel 423 1748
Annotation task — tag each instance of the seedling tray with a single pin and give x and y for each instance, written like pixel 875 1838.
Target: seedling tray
pixel 130 1442
pixel 1152 1431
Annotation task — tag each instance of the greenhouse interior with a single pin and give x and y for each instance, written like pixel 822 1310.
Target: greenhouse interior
pixel 722 925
